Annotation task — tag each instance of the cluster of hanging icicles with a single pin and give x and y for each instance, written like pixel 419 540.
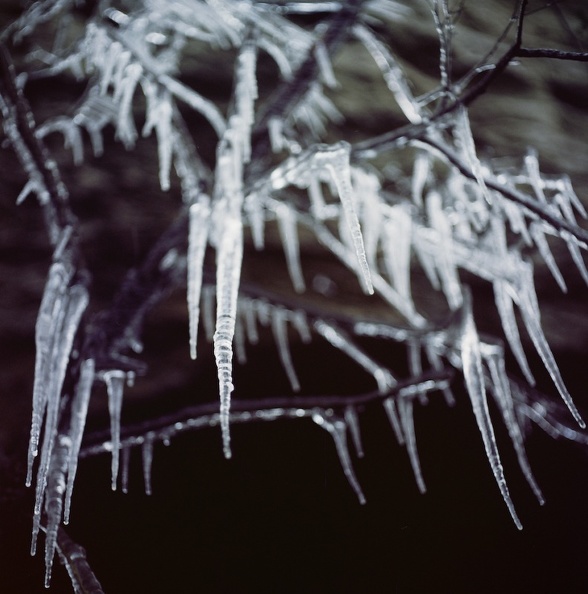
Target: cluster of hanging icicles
pixel 457 213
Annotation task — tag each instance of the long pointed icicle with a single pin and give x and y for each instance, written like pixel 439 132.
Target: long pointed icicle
pixel 545 251
pixel 336 161
pixel 78 422
pixel 528 308
pixel 505 308
pixel 352 421
pixel 65 329
pixel 474 379
pixel 199 225
pixel 54 504
pixel 230 256
pixel 115 382
pixel 405 408
pixel 45 332
pixel 338 431
pixel 503 397
pixel 289 236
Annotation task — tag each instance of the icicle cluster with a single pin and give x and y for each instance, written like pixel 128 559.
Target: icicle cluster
pixel 280 164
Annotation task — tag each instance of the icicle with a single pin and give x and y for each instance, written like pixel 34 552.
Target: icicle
pixel 530 314
pixel 159 116
pixel 335 337
pixel 420 173
pixel 532 166
pixel 207 108
pixel 505 309
pixel 396 249
pixel 124 474
pixel 64 332
pixel 229 259
pixel 425 258
pixel 325 67
pixel 474 379
pixel 54 504
pixel 336 160
pixel 245 94
pixel 108 64
pixel 254 210
pixel 541 243
pixel 415 365
pixel 32 186
pixel 577 258
pixel 338 431
pixel 435 360
pixel 147 455
pixel 125 124
pixel 46 330
pixel 468 149
pixel 503 397
pixel 405 408
pixel 289 236
pixel 280 331
pixel 199 225
pixel 366 186
pixel 78 422
pixel 300 322
pixel 352 421
pixel 317 200
pixel 392 73
pixel 115 382
pixel 444 254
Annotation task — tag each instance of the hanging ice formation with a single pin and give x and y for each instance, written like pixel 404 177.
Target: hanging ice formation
pixel 450 209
